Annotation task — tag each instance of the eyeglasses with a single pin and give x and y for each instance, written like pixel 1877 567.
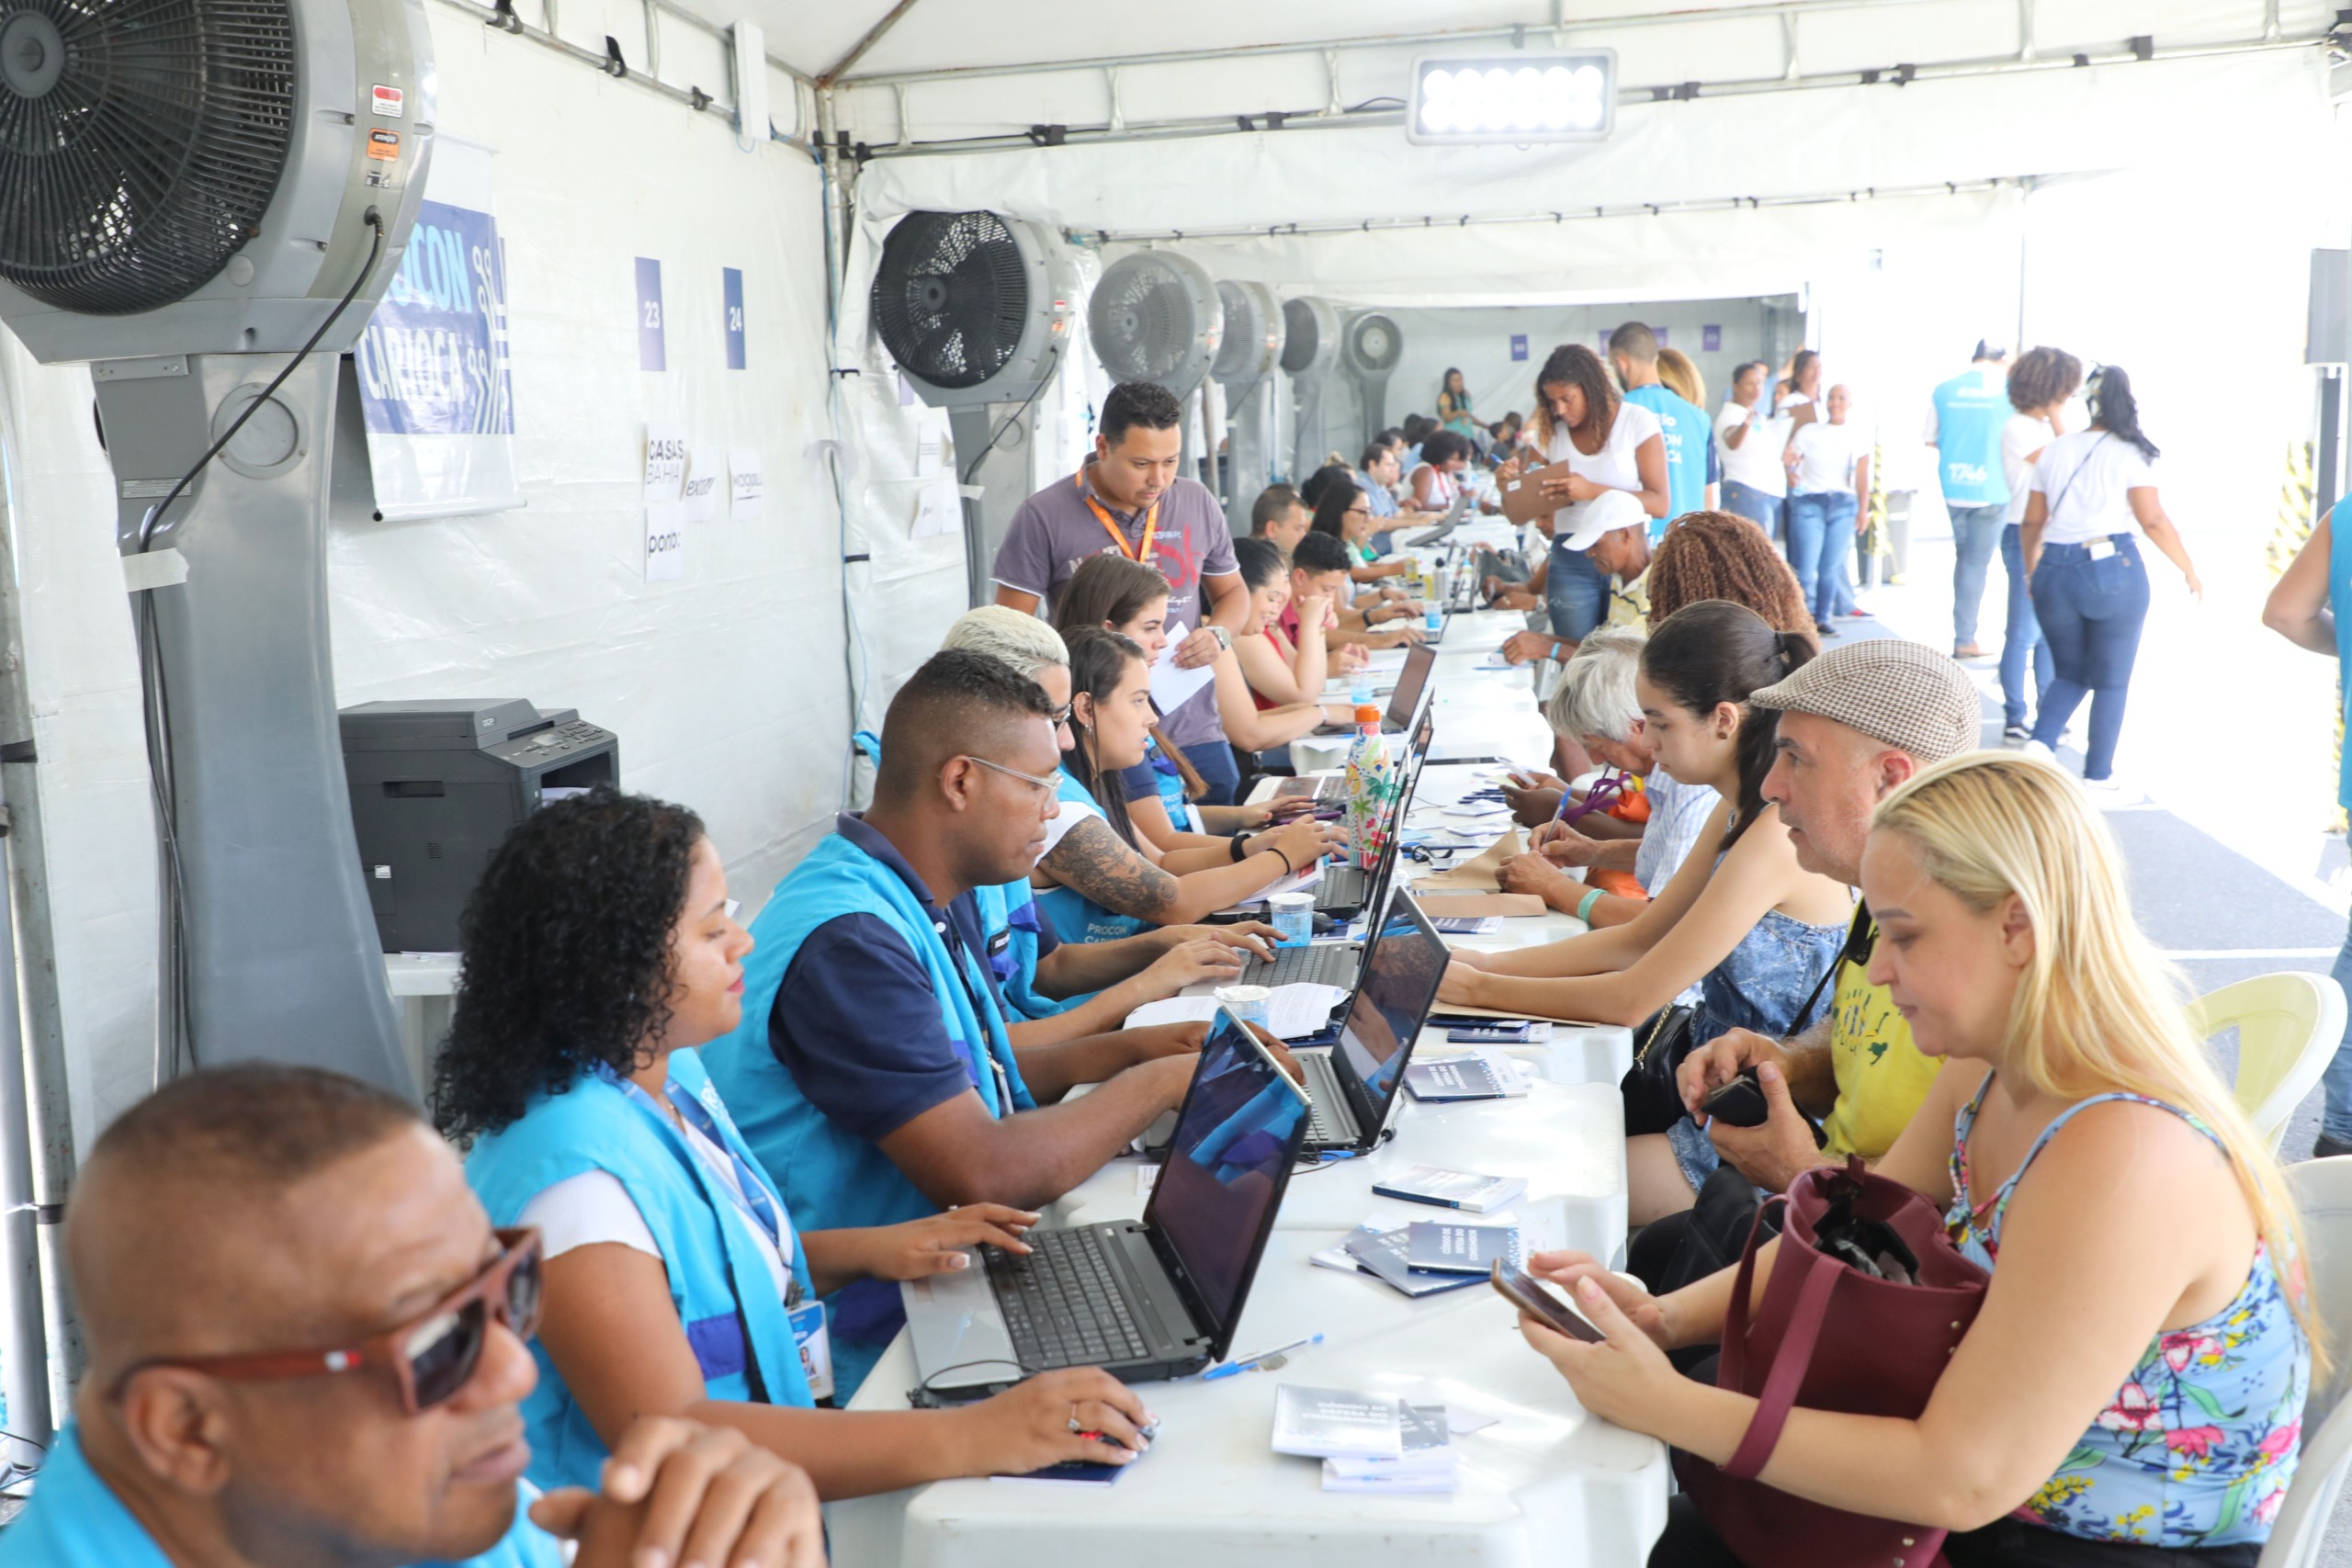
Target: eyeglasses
pixel 1358 511
pixel 1048 784
pixel 1060 717
pixel 432 1356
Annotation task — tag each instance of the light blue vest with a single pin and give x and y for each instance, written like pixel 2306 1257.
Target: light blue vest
pixel 834 1179
pixel 1008 914
pixel 720 1283
pixel 1077 918
pixel 1970 411
pixel 74 1520
pixel 1686 432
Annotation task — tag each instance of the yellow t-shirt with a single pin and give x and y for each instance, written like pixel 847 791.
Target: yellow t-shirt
pixel 1629 602
pixel 1882 1077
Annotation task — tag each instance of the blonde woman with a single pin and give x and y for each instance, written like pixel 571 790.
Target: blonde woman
pixel 2137 1372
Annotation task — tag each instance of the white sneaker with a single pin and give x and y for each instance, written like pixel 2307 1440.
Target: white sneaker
pixel 2033 747
pixel 2108 793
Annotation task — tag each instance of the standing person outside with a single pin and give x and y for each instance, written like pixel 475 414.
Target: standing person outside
pixel 1632 353
pixel 1829 462
pixel 2301 608
pixel 2090 587
pixel 1755 484
pixel 1682 378
pixel 1966 416
pixel 1129 498
pixel 2040 383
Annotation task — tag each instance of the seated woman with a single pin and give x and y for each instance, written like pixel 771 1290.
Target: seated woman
pixel 1741 918
pixel 2132 1386
pixel 598 952
pixel 1437 479
pixel 1342 514
pixel 1594 701
pixel 1069 991
pixel 1110 592
pixel 1254 718
pixel 1101 879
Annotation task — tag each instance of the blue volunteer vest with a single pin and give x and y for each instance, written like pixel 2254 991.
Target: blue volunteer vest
pixel 1009 920
pixel 1970 411
pixel 74 1520
pixel 719 1283
pixel 834 1179
pixel 1687 431
pixel 1077 918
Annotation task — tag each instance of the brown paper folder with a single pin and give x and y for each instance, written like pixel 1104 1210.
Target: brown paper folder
pixel 1524 498
pixel 1442 905
pixel 1476 874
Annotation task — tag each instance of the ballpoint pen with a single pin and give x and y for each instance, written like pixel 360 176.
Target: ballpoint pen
pixel 1251 1363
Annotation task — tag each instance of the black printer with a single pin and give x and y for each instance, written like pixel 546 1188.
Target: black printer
pixel 436 786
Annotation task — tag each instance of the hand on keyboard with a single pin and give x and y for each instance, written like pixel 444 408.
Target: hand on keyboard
pixel 938 1245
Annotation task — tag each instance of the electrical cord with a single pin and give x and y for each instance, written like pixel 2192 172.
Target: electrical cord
pixel 155 699
pixel 1053 360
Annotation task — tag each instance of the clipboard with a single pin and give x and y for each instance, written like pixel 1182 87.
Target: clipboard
pixel 1524 498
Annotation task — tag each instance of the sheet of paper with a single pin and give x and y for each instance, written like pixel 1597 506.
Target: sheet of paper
pixel 1292 1012
pixel 938 510
pixel 747 486
pixel 665 554
pixel 929 456
pixel 665 463
pixel 705 477
pixel 1173 687
pixel 1385 660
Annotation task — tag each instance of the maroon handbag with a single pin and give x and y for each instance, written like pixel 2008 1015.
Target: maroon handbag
pixel 1829 1336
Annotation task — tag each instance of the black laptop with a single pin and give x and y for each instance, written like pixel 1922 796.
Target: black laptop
pixel 1354 1083
pixel 1143 1300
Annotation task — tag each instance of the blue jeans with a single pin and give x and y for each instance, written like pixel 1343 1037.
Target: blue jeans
pixel 1768 513
pixel 2336 1120
pixel 2021 634
pixel 1821 536
pixel 1576 592
pixel 2091 612
pixel 1213 760
pixel 1976 531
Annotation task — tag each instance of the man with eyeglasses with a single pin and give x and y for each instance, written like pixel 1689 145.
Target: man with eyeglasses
pixel 307 1348
pixel 872 1074
pixel 1854 725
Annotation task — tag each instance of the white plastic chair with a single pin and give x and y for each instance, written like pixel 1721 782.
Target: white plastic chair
pixel 2322 1190
pixel 2289 1025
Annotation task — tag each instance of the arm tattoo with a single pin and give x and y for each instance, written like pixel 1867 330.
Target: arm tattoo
pixel 1093 861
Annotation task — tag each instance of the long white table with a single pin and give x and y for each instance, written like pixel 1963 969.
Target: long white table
pixel 1545 1484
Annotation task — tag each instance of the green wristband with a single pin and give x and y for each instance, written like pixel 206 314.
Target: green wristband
pixel 1585 903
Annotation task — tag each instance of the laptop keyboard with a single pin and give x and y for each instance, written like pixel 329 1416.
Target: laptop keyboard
pixel 1062 1303
pixel 1321 964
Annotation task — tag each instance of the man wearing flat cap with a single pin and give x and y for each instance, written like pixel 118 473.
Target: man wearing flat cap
pixel 1854 723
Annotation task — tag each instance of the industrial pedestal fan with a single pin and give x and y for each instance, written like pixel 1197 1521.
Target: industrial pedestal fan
pixel 974 308
pixel 206 198
pixel 1373 347
pixel 1310 353
pixel 1245 372
pixel 1155 316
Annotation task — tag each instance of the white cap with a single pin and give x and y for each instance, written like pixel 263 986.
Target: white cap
pixel 1604 513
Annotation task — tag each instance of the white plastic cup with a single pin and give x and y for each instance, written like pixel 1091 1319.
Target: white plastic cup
pixel 1250 1004
pixel 1293 917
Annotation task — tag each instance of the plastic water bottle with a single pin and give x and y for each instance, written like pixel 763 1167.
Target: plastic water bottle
pixel 1361 690
pixel 1370 783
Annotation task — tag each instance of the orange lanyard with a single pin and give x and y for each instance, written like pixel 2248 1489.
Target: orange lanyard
pixel 1150 525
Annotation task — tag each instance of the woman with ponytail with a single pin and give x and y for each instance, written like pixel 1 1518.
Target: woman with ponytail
pixel 2133 1388
pixel 1741 919
pixel 2082 561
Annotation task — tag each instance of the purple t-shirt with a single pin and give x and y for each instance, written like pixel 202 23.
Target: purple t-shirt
pixel 1055 530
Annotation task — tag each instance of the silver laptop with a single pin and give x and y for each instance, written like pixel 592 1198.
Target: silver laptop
pixel 1143 1300
pixel 1355 1082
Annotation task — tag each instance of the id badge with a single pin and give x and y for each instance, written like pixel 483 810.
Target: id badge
pixel 2100 549
pixel 816 1347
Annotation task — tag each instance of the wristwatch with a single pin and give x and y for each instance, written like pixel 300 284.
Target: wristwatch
pixel 1223 635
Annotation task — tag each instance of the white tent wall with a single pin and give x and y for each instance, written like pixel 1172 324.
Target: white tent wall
pixel 726 687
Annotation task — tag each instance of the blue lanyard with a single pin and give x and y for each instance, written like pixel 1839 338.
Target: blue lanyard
pixel 751 1196
pixel 952 941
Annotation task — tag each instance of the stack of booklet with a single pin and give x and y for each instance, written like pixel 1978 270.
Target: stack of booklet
pixel 1464 1190
pixel 1474 1075
pixel 1368 1442
pixel 1424 1257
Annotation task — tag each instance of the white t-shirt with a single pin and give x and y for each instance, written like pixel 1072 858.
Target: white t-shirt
pixel 1756 461
pixel 2085 479
pixel 2020 438
pixel 1826 454
pixel 593 1207
pixel 1613 465
pixel 1069 815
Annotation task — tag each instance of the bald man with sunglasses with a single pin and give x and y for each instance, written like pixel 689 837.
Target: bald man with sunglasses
pixel 308 1350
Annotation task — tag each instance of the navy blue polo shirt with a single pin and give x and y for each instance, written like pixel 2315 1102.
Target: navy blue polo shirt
pixel 856 1023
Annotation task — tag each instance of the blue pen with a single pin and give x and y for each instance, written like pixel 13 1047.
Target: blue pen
pixel 1249 1363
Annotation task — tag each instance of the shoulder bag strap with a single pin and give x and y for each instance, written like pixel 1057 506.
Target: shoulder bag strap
pixel 1731 1362
pixel 1791 1361
pixel 2077 473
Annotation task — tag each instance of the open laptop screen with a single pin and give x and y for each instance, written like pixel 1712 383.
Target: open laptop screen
pixel 1409 680
pixel 1399 984
pixel 1228 1163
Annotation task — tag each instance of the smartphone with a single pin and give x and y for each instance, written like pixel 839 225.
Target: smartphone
pixel 1739 1104
pixel 1524 1293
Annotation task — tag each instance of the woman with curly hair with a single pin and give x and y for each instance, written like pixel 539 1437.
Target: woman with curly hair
pixel 599 950
pixel 1714 554
pixel 2040 382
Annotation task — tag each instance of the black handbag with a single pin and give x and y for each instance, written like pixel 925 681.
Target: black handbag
pixel 1653 1102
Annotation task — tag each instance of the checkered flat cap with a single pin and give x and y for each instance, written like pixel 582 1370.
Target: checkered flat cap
pixel 1903 693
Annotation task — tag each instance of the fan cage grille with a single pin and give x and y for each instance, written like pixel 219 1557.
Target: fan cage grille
pixel 1302 335
pixel 1142 320
pixel 130 183
pixel 951 297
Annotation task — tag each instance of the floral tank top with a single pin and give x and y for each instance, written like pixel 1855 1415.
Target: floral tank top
pixel 2200 1444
